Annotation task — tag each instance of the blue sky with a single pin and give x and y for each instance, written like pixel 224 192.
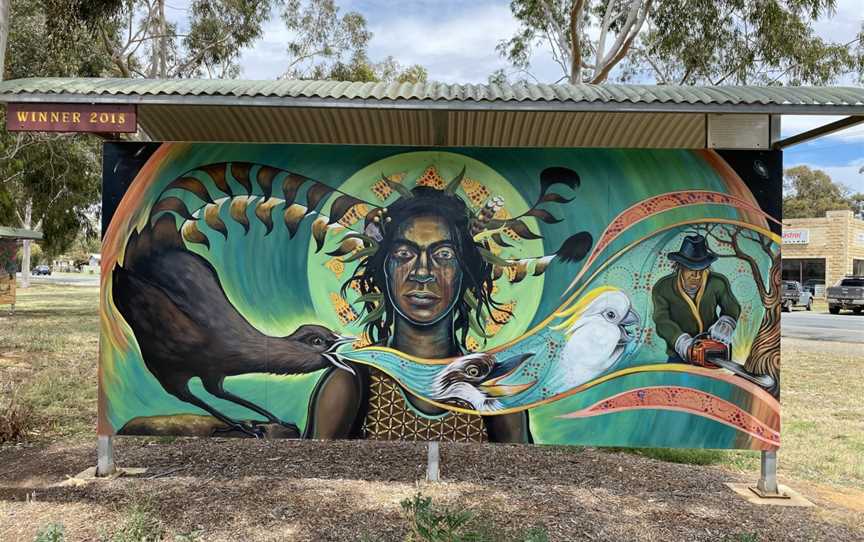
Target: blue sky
pixel 455 41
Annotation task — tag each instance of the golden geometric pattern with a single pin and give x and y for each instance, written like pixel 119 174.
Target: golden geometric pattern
pixel 354 214
pixel 336 265
pixel 382 189
pixel 362 341
pixel 389 418
pixel 431 178
pixel 503 314
pixel 471 344
pixel 476 192
pixel 343 310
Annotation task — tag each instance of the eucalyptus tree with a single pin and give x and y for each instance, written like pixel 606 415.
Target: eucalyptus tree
pixel 683 41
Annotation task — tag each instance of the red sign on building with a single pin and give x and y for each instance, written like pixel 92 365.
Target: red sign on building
pixel 96 118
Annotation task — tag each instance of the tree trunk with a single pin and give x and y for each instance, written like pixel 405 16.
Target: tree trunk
pixel 4 32
pixel 25 253
pixel 764 358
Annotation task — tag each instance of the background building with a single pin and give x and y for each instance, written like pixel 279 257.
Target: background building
pixel 820 251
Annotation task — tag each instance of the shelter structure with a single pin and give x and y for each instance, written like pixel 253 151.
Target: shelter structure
pixel 741 125
pixel 9 241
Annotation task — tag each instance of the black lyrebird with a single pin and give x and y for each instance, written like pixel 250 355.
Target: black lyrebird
pixel 186 327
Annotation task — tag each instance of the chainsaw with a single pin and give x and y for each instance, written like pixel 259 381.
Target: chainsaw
pixel 705 350
pixel 713 354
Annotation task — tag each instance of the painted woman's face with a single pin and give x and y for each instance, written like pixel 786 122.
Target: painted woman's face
pixel 424 276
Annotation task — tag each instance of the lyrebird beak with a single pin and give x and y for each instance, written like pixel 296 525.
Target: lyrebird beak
pixel 502 370
pixel 343 339
pixel 333 356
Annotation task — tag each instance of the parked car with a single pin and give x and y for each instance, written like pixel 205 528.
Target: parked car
pixel 847 294
pixel 812 284
pixel 795 296
pixel 41 270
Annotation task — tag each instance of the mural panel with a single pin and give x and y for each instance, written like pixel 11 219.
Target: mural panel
pixel 562 296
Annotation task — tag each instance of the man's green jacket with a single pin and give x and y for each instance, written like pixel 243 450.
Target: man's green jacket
pixel 674 311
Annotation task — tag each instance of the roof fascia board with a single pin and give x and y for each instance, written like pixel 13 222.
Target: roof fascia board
pixel 450 105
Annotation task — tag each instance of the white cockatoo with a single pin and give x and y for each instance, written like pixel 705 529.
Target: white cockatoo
pixel 597 335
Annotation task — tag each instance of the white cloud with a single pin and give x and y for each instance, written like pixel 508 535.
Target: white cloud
pixel 456 45
pixel 847 174
pixel 795 124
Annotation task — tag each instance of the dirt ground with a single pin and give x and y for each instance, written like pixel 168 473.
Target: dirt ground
pixel 236 489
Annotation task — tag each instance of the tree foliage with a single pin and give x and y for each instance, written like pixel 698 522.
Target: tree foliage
pixel 809 193
pixel 49 181
pixel 683 41
pixel 143 41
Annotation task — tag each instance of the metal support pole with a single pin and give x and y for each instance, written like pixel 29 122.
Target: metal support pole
pixel 432 462
pixel 104 456
pixel 768 476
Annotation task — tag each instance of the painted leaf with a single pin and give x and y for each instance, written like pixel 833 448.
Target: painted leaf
pixel 543 215
pixel 499 240
pixel 293 215
pixel 493 259
pixel 315 194
pixel 191 184
pixel 368 251
pixel 264 178
pixel 237 210
pixel 172 204
pixel 217 173
pixel 340 206
pixel 453 185
pixel 553 197
pixel 264 212
pixel 558 175
pixel 374 315
pixel 192 234
pixel 240 172
pixel 541 265
pixel 319 232
pixel 575 247
pixel 291 185
pixel 347 246
pixel 212 218
pixel 522 230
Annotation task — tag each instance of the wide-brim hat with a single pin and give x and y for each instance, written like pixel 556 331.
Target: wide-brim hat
pixel 694 253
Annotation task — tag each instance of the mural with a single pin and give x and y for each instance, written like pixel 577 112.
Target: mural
pixel 8 267
pixel 564 296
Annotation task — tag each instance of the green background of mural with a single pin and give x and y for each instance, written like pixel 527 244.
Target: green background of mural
pixel 275 281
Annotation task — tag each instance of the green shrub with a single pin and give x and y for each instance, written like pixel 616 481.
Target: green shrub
pixel 53 532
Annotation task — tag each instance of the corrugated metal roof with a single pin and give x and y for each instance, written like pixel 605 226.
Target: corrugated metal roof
pixel 829 100
pixel 18 233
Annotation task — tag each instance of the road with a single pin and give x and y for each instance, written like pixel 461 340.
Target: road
pixel 64 279
pixel 844 327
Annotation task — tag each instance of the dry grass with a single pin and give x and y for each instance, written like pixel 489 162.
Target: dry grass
pixel 48 352
pixel 232 489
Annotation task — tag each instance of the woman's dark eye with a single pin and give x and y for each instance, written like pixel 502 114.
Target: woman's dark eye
pixel 403 254
pixel 445 254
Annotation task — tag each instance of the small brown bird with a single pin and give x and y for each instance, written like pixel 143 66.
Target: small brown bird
pixel 186 327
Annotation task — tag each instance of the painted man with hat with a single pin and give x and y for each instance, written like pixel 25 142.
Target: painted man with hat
pixel 693 301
